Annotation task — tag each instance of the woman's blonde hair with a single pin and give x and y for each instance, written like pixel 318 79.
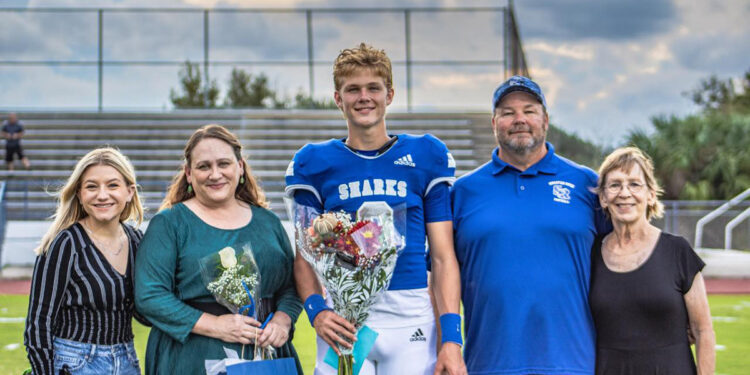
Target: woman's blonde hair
pixel 248 192
pixel 69 208
pixel 625 158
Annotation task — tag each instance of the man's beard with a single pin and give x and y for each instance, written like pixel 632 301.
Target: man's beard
pixel 522 146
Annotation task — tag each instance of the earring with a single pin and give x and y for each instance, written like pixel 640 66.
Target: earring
pixel 190 189
pixel 242 180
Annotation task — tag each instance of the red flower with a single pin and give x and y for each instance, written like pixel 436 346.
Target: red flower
pixel 357 225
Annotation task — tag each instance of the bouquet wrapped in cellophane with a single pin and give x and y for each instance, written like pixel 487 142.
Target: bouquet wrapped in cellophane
pixel 234 280
pixel 353 258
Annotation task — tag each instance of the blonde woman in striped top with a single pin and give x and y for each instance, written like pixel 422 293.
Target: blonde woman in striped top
pixel 81 303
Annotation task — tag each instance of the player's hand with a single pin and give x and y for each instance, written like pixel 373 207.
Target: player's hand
pixel 450 361
pixel 334 329
pixel 276 331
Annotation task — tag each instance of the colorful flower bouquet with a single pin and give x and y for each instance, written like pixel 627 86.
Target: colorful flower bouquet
pixel 234 280
pixel 353 259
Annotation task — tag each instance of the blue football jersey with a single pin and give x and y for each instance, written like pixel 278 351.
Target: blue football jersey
pixel 342 179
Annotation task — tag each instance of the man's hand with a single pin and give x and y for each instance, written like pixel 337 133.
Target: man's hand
pixel 331 327
pixel 450 361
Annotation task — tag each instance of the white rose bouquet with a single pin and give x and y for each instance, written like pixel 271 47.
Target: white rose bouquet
pixel 234 280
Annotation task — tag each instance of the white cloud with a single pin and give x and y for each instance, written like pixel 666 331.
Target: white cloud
pixel 576 52
pixel 551 82
pixel 454 80
pixel 627 82
pixel 48 87
pixel 248 3
pixel 601 78
pixel 660 53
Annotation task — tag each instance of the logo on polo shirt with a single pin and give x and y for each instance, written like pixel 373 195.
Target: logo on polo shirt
pixel 561 191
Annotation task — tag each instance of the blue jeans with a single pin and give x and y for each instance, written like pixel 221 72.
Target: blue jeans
pixel 90 359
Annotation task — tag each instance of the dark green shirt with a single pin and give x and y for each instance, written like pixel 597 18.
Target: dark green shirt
pixel 167 273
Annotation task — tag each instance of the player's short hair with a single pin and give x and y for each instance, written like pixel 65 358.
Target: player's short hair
pixel 362 57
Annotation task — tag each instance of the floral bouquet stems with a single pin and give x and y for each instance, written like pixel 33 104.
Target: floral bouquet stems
pixel 354 259
pixel 234 280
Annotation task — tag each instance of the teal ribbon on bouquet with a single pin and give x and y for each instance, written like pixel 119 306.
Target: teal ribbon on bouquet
pixel 362 347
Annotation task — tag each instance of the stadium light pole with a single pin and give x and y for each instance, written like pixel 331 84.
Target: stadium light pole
pixel 310 65
pixel 205 57
pixel 407 32
pixel 506 42
pixel 99 63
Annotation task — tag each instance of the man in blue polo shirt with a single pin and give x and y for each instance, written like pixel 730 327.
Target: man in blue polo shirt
pixel 524 223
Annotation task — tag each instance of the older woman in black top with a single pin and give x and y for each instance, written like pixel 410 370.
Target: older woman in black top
pixel 81 303
pixel 646 285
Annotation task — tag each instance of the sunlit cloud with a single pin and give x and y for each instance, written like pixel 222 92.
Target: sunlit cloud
pixel 458 79
pixel 551 83
pixel 605 67
pixel 580 52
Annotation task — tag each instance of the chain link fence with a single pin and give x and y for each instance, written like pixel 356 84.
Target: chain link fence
pixel 680 217
pixel 114 58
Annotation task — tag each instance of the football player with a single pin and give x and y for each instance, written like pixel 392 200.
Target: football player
pixel 372 165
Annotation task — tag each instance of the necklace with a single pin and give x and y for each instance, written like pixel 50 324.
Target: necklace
pixel 98 243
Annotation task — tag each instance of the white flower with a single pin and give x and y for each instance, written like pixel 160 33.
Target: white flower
pixel 228 258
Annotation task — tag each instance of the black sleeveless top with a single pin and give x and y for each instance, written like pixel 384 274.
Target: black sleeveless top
pixel 640 316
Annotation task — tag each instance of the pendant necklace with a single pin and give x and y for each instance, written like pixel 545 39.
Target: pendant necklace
pixel 98 243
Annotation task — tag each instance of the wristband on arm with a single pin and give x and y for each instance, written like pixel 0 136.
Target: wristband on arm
pixel 314 305
pixel 450 328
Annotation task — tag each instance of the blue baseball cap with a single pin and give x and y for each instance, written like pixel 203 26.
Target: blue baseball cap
pixel 518 83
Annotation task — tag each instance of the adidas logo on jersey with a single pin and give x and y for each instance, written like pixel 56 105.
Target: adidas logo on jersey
pixel 418 336
pixel 405 160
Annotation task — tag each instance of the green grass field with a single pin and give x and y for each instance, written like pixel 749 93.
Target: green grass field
pixel 731 323
pixel 13 354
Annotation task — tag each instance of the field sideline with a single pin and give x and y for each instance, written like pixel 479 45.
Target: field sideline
pixel 731 315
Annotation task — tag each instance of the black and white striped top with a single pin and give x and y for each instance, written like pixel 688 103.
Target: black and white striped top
pixel 77 295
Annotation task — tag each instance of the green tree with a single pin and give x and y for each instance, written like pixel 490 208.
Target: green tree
pixel 194 93
pixel 703 156
pixel 304 101
pixel 246 91
pixel 714 94
pixel 575 148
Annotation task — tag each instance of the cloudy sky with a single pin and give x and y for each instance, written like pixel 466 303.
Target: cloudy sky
pixel 606 66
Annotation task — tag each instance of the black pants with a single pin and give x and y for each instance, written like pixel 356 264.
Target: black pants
pixel 13 149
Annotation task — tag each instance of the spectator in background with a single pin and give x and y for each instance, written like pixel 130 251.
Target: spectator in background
pixel 13 132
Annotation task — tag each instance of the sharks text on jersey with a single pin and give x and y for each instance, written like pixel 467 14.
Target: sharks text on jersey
pixel 371 187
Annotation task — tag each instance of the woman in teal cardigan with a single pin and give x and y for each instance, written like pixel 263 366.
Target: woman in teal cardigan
pixel 212 203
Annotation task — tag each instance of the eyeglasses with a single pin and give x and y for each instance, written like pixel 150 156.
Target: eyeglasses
pixel 616 187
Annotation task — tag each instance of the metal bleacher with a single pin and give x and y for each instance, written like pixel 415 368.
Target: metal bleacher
pixel 154 143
